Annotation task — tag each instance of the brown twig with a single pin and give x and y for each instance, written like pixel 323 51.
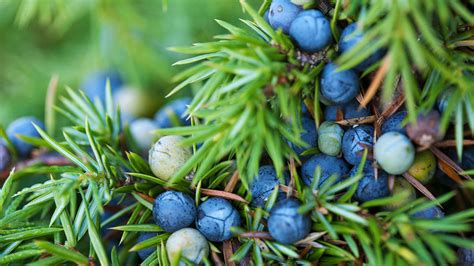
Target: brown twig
pixel 420 187
pixel 376 82
pixel 44 159
pixel 232 182
pixel 286 189
pixel 394 106
pixel 228 251
pixel 146 197
pixel 448 161
pixel 222 194
pixel 215 258
pixel 358 120
pixel 452 143
pixel 257 234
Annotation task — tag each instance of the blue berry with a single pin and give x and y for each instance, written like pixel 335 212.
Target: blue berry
pixel 173 210
pixel 145 253
pixel 309 136
pixel 304 111
pixel 216 216
pixel 126 119
pixel 370 188
pixel 443 100
pixel 177 109
pixel 23 126
pixel 282 13
pixel 467 160
pixel 5 157
pixel 465 256
pixel 429 213
pixel 311 31
pixel 354 141
pixel 394 153
pixel 263 185
pixel 265 16
pixel 394 123
pixel 142 132
pixel 349 110
pixel 286 225
pixel 329 165
pixel 350 37
pixel 338 87
pixel 94 84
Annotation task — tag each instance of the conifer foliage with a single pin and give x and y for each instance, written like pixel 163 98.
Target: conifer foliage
pixel 256 186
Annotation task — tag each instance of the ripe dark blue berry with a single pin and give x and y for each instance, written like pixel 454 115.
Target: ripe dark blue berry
pixel 311 31
pixel 175 110
pixel 467 159
pixel 282 13
pixel 350 37
pixel 429 213
pixel 329 165
pixel 465 257
pixel 216 216
pixel 349 110
pixel 309 136
pixel 338 87
pixel 285 224
pixel 173 210
pixel 144 253
pixel 394 123
pixel 370 188
pixel 354 142
pixel 263 185
pixel 94 84
pixel 23 126
pixel 5 157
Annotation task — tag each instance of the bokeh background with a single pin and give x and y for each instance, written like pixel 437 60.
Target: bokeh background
pixel 78 37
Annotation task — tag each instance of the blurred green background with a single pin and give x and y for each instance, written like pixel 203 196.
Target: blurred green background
pixel 77 37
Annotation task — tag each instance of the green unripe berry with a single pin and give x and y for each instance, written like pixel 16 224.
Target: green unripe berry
pixel 394 152
pixel 424 166
pixel 188 242
pixel 330 138
pixel 402 186
pixel 167 156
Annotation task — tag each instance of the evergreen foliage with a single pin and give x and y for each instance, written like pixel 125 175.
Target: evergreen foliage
pixel 251 83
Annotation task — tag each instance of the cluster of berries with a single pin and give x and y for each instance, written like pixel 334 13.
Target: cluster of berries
pixel 399 150
pixel 175 212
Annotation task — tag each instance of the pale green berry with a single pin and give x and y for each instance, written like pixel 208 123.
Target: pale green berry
pixel 330 138
pixel 188 242
pixel 167 156
pixel 394 153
